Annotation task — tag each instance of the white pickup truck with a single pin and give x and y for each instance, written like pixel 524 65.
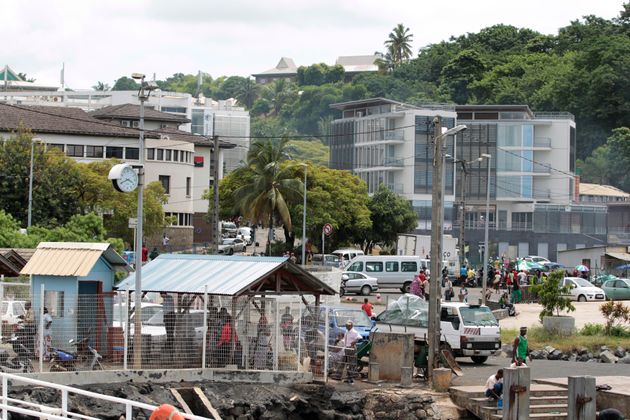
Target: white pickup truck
pixel 470 330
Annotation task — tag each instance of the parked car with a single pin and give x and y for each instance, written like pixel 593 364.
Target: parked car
pixel 537 259
pixel 330 260
pixel 12 310
pixel 229 229
pixel 148 311
pixel 617 289
pixel 231 245
pixel 552 266
pixel 359 283
pixel 192 321
pixel 245 233
pixel 348 253
pixel 337 318
pixel 583 290
pixel 600 279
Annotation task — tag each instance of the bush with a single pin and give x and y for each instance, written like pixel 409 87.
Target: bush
pixel 592 329
pixel 615 314
pixel 553 297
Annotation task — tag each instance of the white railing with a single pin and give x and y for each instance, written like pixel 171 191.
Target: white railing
pixel 47 412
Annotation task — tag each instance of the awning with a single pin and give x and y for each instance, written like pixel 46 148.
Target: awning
pixel 226 275
pixel 623 256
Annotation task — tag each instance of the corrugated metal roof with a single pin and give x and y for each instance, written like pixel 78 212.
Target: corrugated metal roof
pixel 70 258
pixel 623 256
pixel 223 275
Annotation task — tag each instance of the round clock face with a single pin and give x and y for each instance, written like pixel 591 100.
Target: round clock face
pixel 128 180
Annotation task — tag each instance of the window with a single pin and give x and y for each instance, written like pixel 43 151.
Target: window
pixel 53 300
pixel 187 186
pixel 58 146
pixel 167 154
pixel 132 153
pixel 391 266
pixel 150 154
pixel 408 267
pixel 357 266
pixel 160 154
pixel 165 180
pixel 94 151
pixel 175 155
pixel 373 267
pixel 114 152
pixel 75 150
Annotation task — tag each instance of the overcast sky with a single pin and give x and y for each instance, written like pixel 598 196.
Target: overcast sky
pixel 103 40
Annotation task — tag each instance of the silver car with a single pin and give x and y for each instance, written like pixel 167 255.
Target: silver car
pixel 359 283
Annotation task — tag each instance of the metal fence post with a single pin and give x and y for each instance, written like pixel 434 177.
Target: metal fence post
pixel 41 328
pixel 516 393
pixel 125 324
pixel 582 397
pixel 298 337
pixel 326 339
pixel 205 327
pixel 276 353
pixel 5 397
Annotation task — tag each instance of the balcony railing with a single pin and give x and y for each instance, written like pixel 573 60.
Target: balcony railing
pixel 393 135
pixel 393 161
pixel 541 169
pixel 397 188
pixel 542 142
pixel 554 116
pixel 522 226
pixel 478 224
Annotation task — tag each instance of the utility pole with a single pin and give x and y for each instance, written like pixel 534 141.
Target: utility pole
pixel 30 186
pixel 215 186
pixel 437 215
pixel 462 216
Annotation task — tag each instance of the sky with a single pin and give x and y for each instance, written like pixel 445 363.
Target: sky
pixel 103 40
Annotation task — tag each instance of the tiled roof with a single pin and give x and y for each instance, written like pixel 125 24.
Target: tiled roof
pixel 602 190
pixel 132 112
pixel 198 140
pixel 286 66
pixel 60 120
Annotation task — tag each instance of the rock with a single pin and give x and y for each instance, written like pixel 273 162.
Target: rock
pixel 620 352
pixel 608 357
pixel 555 355
pixel 549 349
pixel 582 350
pixel 565 356
pixel 583 358
pixel 572 358
pixel 421 414
pixel 603 349
pixel 625 359
pixel 535 354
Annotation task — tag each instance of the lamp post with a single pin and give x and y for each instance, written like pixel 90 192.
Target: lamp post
pixel 304 218
pixel 486 233
pixel 143 96
pixel 436 240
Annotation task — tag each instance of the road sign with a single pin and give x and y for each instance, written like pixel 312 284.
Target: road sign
pixel 328 229
pixel 133 222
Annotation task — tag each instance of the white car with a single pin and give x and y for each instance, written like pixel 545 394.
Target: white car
pixel 583 290
pixel 536 259
pixel 148 311
pixel 12 310
pixel 245 234
pixel 232 245
pixel 191 323
pixel 359 283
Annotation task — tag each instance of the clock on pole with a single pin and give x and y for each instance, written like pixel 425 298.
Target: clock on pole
pixel 124 177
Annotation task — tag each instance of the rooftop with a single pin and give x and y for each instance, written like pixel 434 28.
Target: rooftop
pixel 198 140
pixel 286 66
pixel 362 103
pixel 358 63
pixel 11 81
pixel 602 190
pixel 132 112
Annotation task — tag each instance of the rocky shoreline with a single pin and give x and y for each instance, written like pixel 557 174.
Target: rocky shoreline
pixel 604 355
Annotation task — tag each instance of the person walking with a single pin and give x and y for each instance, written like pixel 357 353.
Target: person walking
pixel 463 293
pixel 416 287
pixel 47 333
pixel 448 290
pixel 520 348
pixel 367 307
pixel 350 339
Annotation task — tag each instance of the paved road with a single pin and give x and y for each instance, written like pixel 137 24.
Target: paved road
pixel 477 374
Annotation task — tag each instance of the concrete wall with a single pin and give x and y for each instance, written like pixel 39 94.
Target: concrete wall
pixel 181 238
pixel 174 375
pixel 391 351
pixel 330 276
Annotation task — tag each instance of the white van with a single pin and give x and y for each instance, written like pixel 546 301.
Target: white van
pixel 348 253
pixel 392 272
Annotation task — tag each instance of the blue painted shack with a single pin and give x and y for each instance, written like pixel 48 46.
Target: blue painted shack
pixel 78 281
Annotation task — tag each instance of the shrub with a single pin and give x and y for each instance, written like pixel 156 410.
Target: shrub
pixel 592 329
pixel 553 297
pixel 615 314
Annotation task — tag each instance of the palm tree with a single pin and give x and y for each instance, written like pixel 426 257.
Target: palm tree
pixel 272 187
pixel 247 93
pixel 384 62
pixel 399 44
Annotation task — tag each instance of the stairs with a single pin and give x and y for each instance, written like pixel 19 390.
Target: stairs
pixel 546 402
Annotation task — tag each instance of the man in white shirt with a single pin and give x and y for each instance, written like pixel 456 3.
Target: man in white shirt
pixel 494 385
pixel 350 339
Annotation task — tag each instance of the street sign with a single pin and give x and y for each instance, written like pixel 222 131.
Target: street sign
pixel 328 229
pixel 133 222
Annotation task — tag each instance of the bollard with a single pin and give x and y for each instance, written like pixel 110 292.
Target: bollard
pixel 441 379
pixel 373 373
pixel 516 383
pixel 406 375
pixel 582 397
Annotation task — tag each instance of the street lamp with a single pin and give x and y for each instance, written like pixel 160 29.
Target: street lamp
pixel 30 183
pixel 143 96
pixel 485 251
pixel 304 217
pixel 437 217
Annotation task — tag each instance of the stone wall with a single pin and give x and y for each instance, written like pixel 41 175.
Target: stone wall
pixel 181 238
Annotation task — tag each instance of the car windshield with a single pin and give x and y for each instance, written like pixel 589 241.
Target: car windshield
pixel 228 241
pixel 157 319
pixel 583 283
pixel 479 316
pixel 358 318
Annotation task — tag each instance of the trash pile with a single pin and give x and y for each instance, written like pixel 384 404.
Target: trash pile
pixel 408 310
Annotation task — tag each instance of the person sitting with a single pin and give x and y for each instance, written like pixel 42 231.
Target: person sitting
pixel 610 414
pixel 494 385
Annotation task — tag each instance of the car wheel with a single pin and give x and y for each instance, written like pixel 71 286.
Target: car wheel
pixel 479 360
pixel 231 251
pixel 581 298
pixel 406 287
pixel 366 290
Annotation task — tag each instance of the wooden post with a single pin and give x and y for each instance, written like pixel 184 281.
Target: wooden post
pixel 582 397
pixel 516 393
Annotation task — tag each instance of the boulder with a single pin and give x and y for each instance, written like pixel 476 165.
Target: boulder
pixel 625 359
pixel 549 349
pixel 572 358
pixel 603 349
pixel 620 352
pixel 555 355
pixel 582 350
pixel 583 357
pixel 536 354
pixel 608 357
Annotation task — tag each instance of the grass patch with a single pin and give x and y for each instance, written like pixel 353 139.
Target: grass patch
pixel 539 338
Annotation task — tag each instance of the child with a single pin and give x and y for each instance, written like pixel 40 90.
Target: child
pixel 463 293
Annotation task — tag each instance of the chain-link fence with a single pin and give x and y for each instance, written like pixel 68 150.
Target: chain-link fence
pixel 60 331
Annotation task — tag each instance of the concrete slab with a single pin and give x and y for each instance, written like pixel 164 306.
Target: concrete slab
pixel 174 375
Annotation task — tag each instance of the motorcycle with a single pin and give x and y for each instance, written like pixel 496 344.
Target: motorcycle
pixel 70 361
pixel 21 362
